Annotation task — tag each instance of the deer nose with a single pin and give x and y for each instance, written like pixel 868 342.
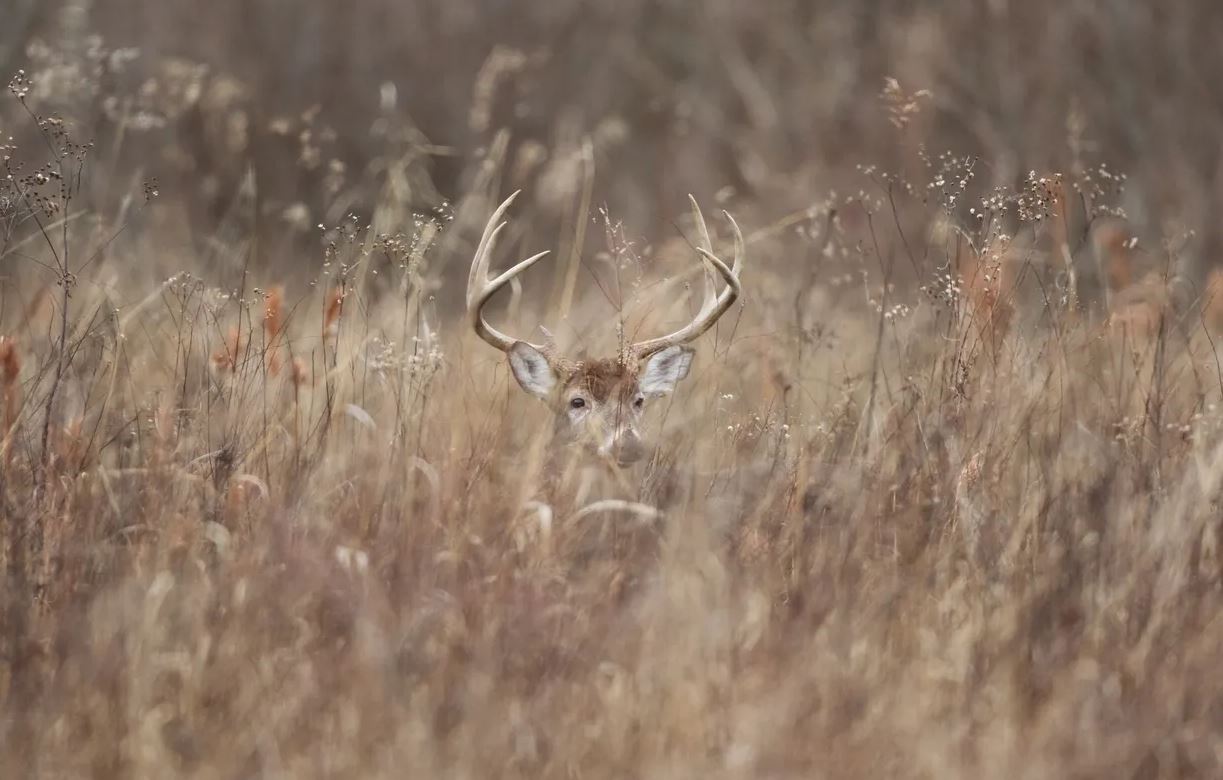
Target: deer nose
pixel 627 448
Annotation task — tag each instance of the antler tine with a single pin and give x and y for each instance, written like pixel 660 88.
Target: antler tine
pixel 714 304
pixel 711 291
pixel 479 264
pixel 481 289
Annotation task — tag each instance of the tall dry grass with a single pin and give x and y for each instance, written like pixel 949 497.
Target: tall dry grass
pixel 940 498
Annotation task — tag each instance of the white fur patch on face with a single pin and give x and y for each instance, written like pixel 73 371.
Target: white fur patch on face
pixel 664 370
pixel 532 370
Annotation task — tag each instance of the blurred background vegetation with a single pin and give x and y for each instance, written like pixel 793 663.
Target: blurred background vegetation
pixel 323 108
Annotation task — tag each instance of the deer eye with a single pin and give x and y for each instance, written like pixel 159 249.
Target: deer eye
pixel 577 402
pixel 639 402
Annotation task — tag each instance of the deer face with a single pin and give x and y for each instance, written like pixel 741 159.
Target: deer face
pixel 599 404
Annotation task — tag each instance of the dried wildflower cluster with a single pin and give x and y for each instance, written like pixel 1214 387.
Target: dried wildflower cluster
pixel 1041 197
pixel 20 85
pixel 1101 188
pixel 945 291
pixel 343 247
pixel 42 189
pixel 396 249
pixel 622 254
pixel 351 245
pixel 888 181
pixel 423 357
pixel 47 188
pixel 407 252
pixel 949 177
pixel 894 312
pixel 10 195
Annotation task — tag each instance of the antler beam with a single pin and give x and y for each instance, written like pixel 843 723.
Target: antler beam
pixel 715 304
pixel 481 289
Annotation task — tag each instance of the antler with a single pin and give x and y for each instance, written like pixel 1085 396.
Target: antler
pixel 480 289
pixel 715 304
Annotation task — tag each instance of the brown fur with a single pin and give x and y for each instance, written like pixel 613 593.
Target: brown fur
pixel 602 379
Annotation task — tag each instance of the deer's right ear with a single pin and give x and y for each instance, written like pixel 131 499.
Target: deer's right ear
pixel 532 370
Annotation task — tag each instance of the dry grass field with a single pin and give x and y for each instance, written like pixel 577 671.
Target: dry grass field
pixel 939 498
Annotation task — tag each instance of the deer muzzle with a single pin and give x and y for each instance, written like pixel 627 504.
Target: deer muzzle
pixel 625 447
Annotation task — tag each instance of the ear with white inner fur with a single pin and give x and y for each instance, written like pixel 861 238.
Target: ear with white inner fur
pixel 664 369
pixel 531 369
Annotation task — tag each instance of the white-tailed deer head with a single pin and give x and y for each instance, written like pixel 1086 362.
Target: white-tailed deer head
pixel 599 403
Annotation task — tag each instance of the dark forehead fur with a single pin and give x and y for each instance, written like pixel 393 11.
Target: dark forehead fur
pixel 602 378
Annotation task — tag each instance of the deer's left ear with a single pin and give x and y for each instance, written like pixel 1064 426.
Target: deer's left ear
pixel 664 369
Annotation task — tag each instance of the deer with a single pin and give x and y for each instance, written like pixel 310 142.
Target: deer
pixel 598 404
